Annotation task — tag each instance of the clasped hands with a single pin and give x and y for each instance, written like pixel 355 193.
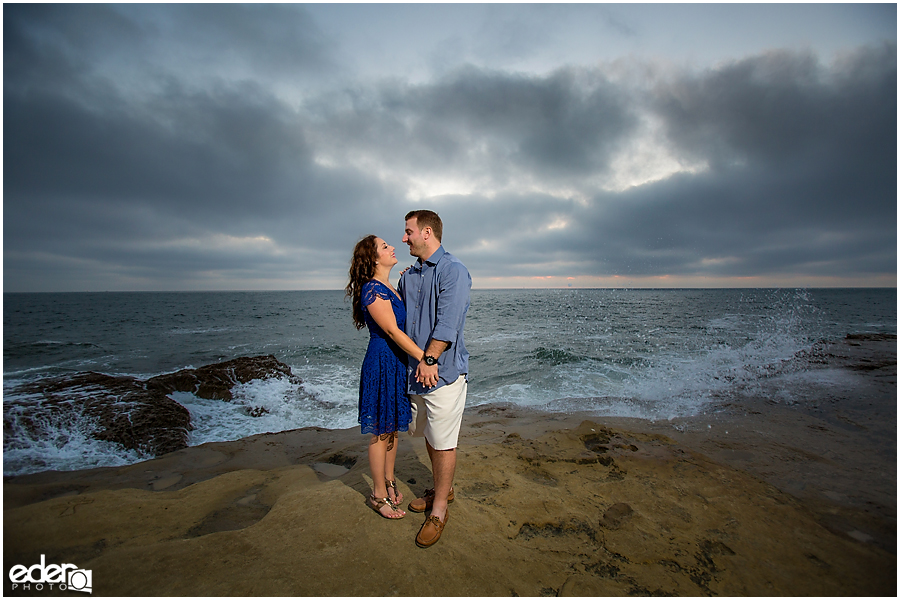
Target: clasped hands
pixel 427 375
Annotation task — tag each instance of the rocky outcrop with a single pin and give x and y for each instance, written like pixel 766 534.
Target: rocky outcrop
pixel 125 410
pixel 214 382
pixel 138 414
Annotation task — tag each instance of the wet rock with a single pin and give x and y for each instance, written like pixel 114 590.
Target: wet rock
pixel 125 410
pixel 214 382
pixel 138 415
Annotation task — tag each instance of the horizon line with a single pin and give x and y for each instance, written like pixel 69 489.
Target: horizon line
pixel 479 289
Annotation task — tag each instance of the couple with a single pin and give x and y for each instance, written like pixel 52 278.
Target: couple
pixel 416 348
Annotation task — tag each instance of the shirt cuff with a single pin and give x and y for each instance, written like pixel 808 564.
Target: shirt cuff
pixel 444 333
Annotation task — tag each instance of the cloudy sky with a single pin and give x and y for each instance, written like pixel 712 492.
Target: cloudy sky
pixel 242 147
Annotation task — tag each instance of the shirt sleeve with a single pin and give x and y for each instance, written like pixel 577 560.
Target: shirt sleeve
pixel 454 284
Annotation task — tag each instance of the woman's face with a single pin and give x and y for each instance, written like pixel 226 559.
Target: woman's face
pixel 385 253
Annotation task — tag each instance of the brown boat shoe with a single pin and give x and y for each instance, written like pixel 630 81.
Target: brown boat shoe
pixel 431 531
pixel 427 501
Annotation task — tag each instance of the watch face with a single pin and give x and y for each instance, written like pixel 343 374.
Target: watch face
pixel 430 360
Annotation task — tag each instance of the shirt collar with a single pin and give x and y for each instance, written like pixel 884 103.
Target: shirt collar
pixel 434 258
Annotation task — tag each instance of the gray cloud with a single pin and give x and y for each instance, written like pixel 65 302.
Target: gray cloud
pixel 785 107
pixel 160 180
pixel 280 39
pixel 801 172
pixel 482 125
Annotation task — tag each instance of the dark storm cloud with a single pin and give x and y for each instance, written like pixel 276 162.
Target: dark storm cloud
pixel 278 39
pixel 559 126
pixel 92 174
pixel 786 108
pixel 206 40
pixel 179 151
pixel 801 162
pixel 148 148
pixel 743 224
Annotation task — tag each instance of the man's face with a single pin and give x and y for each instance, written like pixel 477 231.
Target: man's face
pixel 412 237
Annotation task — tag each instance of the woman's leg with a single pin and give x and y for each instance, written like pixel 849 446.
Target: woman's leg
pixel 378 451
pixel 377 459
pixel 389 461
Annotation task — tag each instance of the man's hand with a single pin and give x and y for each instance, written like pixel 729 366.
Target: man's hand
pixel 427 376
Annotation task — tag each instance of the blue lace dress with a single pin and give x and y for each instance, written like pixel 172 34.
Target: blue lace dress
pixel 383 404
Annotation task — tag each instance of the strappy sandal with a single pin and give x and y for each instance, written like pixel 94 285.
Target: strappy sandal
pixel 391 484
pixel 378 503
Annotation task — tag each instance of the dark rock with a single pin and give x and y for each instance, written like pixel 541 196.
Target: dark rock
pixel 214 382
pixel 136 414
pixel 256 411
pixel 126 411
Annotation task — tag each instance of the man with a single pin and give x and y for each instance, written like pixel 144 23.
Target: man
pixel 436 292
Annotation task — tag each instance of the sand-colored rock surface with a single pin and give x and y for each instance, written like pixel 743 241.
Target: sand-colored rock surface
pixel 545 505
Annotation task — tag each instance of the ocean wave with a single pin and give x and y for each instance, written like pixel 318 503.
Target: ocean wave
pixel 265 406
pixel 555 356
pixel 199 331
pixel 58 441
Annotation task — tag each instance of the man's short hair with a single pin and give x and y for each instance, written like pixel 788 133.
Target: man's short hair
pixel 427 218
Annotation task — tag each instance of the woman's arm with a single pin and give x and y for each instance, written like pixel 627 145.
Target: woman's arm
pixel 383 314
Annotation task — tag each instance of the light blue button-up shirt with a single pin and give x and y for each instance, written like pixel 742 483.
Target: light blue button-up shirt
pixel 436 293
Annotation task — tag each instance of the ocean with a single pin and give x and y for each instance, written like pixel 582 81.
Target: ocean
pixel 648 354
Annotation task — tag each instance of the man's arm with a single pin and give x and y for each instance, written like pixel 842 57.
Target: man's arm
pixel 452 301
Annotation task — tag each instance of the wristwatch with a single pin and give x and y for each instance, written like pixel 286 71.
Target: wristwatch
pixel 430 360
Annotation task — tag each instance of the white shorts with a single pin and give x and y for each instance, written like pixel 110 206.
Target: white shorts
pixel 437 415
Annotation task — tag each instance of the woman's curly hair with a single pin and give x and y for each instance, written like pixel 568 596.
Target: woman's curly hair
pixel 362 269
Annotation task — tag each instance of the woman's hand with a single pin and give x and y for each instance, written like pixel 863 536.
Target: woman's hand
pixel 427 375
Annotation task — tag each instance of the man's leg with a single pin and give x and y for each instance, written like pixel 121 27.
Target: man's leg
pixel 445 409
pixel 443 467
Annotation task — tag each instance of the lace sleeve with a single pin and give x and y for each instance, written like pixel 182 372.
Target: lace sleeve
pixel 372 290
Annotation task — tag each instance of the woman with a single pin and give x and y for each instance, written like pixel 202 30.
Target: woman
pixel 383 404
